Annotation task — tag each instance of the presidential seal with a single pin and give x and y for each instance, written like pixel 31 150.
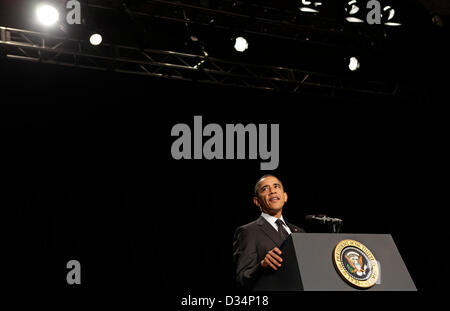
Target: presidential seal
pixel 355 263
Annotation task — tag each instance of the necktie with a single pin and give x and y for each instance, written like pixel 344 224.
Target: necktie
pixel 283 233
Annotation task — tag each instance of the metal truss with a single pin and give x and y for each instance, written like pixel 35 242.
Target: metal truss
pixel 251 19
pixel 44 48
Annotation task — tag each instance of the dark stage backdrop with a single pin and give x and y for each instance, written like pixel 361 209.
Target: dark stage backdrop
pixel 87 174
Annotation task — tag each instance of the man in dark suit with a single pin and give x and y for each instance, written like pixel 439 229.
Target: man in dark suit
pixel 256 245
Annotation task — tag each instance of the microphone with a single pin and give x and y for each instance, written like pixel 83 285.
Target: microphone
pixel 323 219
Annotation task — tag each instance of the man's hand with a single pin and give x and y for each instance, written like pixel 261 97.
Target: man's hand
pixel 272 259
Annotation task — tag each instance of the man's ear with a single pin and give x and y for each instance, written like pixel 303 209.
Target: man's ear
pixel 285 197
pixel 256 201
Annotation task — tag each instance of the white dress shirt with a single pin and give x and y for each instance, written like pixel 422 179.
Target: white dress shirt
pixel 272 220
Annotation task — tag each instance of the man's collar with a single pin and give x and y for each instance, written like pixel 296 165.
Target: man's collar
pixel 271 219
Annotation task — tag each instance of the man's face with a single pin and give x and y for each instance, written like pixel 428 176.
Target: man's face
pixel 270 196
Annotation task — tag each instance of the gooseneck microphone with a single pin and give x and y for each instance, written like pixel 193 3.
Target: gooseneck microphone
pixel 322 219
pixel 334 223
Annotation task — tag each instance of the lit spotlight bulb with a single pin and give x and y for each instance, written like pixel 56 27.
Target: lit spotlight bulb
pixel 353 64
pixel 96 39
pixel 47 15
pixel 241 44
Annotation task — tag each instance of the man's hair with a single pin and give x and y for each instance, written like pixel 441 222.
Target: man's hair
pixel 261 178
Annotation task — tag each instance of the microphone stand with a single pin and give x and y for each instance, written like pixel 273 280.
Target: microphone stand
pixel 336 226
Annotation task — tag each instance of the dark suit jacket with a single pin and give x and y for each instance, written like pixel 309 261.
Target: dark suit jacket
pixel 251 244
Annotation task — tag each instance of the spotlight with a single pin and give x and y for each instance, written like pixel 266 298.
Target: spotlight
pixel 96 39
pixel 47 15
pixel 307 6
pixel 240 44
pixel 389 12
pixel 352 8
pixel 437 20
pixel 353 64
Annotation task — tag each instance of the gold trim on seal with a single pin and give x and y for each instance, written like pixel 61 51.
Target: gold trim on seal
pixel 342 271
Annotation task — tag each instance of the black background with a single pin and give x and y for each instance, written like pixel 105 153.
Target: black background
pixel 87 174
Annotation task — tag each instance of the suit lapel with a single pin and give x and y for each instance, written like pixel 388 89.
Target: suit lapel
pixel 269 230
pixel 291 227
pixel 294 229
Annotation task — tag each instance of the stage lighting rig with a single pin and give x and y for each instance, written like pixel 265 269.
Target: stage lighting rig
pixel 171 57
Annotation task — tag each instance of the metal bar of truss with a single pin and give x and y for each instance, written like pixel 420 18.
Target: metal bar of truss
pixel 44 48
pixel 309 29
